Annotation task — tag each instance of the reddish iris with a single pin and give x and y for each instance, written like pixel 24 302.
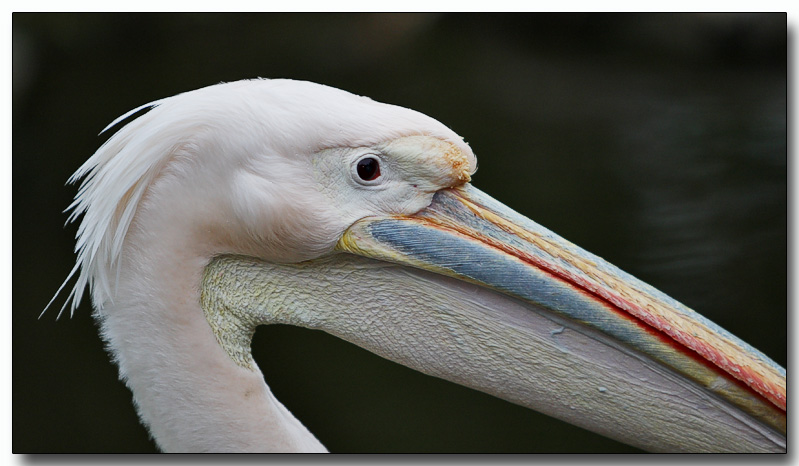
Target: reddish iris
pixel 368 168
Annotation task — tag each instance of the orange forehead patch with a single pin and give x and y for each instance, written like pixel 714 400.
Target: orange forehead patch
pixel 460 164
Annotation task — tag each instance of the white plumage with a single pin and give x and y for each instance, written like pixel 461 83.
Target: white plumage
pixel 227 129
pixel 224 169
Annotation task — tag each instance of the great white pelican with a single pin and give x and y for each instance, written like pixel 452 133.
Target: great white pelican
pixel 278 201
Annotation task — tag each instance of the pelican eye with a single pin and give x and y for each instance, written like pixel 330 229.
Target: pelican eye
pixel 368 168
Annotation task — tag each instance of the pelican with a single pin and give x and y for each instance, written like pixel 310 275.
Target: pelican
pixel 273 201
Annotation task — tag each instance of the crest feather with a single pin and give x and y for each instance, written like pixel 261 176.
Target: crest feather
pixel 114 181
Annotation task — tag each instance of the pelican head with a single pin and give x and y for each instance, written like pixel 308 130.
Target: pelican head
pixel 278 201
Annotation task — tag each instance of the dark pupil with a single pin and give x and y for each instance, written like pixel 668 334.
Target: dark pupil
pixel 368 169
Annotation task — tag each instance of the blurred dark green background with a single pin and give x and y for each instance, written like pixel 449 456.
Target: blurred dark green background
pixel 655 141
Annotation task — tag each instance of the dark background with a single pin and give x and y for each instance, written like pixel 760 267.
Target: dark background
pixel 655 141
